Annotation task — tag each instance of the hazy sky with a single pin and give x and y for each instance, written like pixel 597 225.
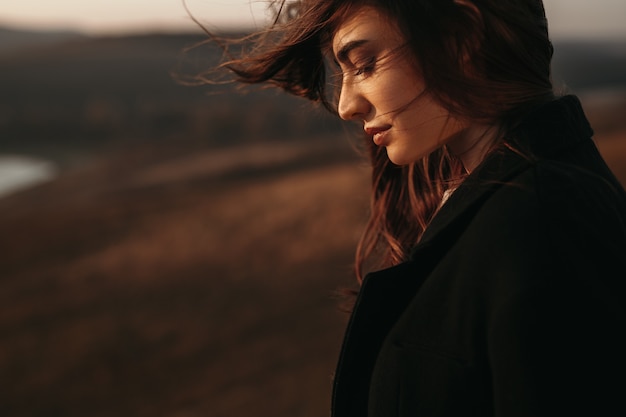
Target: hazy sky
pixel 582 18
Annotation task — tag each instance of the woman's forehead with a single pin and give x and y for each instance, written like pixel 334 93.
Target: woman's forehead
pixel 366 23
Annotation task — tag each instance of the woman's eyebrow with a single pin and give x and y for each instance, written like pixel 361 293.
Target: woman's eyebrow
pixel 344 51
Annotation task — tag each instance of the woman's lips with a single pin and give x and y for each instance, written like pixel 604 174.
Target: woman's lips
pixel 377 133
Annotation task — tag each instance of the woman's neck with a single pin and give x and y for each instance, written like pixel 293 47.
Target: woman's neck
pixel 472 144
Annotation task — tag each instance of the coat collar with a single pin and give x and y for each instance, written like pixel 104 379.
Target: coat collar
pixel 548 130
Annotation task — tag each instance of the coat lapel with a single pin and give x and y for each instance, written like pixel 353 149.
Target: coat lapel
pixel 553 128
pixel 499 169
pixel 383 297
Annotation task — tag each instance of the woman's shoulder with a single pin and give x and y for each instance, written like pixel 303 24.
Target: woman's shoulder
pixel 548 184
pixel 553 204
pixel 560 213
pixel 565 188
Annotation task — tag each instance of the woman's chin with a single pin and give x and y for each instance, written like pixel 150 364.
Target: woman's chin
pixel 400 157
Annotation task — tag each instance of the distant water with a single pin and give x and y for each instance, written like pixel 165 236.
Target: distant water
pixel 20 172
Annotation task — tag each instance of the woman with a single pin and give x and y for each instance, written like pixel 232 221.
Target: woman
pixel 497 232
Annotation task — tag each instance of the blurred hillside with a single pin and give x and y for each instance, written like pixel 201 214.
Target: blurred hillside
pixel 587 66
pixel 17 39
pixel 186 259
pixel 85 94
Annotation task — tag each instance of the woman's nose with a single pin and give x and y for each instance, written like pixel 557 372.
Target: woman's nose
pixel 352 105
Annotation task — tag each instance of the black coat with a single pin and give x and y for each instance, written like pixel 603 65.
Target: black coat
pixel 513 303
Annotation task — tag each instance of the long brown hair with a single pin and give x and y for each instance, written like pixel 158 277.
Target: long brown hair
pixel 485 60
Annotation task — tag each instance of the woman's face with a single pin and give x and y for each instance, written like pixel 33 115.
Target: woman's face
pixel 382 88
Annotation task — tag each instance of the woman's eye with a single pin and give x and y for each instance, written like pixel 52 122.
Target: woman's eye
pixel 366 68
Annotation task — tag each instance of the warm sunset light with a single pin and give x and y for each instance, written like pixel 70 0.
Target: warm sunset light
pixel 99 16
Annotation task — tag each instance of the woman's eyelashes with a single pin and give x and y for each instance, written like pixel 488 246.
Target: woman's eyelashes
pixel 365 67
pixel 359 68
